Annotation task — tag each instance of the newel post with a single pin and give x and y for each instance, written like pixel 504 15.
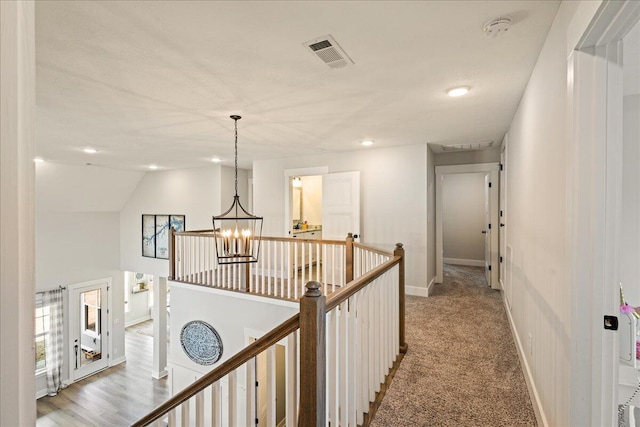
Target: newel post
pixel 172 253
pixel 312 357
pixel 399 251
pixel 349 258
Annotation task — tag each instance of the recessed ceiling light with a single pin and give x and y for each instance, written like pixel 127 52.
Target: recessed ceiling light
pixel 216 160
pixel 38 160
pixel 458 91
pixel 366 143
pixel 153 167
pixel 90 150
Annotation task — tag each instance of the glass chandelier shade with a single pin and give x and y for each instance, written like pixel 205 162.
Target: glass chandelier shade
pixel 237 232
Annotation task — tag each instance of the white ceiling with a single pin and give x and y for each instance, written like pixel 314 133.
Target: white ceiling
pixel 155 82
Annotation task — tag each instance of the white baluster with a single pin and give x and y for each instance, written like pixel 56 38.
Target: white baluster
pixel 351 360
pixel 271 386
pixel 171 421
pixel 184 418
pixel 200 408
pixel 292 379
pixel 332 367
pixel 250 394
pixel 342 364
pixel 233 398
pixel 216 405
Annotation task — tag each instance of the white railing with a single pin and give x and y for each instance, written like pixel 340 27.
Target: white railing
pixel 284 265
pixel 339 351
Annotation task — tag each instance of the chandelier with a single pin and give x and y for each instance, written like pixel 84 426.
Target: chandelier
pixel 237 232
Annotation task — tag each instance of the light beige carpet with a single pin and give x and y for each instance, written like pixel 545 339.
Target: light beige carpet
pixel 462 368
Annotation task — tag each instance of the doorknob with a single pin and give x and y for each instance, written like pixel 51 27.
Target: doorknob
pixel 484 231
pixel 501 224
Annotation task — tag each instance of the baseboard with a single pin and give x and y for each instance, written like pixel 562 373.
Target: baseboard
pixel 431 284
pixel 136 321
pixel 119 360
pixel 458 261
pixel 41 393
pixel 161 374
pixel 528 376
pixel 416 291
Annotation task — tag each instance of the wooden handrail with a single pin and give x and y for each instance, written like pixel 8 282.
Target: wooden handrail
pixel 281 331
pixel 341 295
pixel 243 356
pixel 372 249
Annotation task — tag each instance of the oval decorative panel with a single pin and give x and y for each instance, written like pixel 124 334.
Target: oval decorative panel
pixel 201 342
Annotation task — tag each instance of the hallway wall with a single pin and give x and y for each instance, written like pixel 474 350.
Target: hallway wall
pixel 397 174
pixel 538 229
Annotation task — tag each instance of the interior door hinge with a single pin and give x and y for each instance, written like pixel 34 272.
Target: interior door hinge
pixel 489 226
pixel 501 166
pixel 501 213
pixel 489 268
pixel 489 185
pixel 256 383
pixel 500 259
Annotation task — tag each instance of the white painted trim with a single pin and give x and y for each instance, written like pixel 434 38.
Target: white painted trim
pixel 417 291
pixel 119 360
pixel 490 168
pixel 109 345
pixel 528 376
pixel 459 261
pixel 41 393
pixel 431 285
pixel 138 320
pixel 158 375
pixel 594 208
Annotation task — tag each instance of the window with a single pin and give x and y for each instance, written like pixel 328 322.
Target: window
pixel 41 329
pixel 91 319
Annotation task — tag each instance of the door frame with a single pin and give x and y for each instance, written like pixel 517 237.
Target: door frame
pixel 502 217
pixel 594 209
pixel 489 168
pixel 288 173
pixel 109 342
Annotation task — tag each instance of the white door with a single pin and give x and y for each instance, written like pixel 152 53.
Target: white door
pixel 88 328
pixel 340 205
pixel 487 230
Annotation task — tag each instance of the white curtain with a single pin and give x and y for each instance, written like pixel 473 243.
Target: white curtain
pixel 53 340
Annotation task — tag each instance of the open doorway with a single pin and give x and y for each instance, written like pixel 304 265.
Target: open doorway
pixel 270 368
pixel 467 205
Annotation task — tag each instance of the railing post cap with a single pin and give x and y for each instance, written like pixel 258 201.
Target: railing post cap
pixel 399 245
pixel 350 235
pixel 313 289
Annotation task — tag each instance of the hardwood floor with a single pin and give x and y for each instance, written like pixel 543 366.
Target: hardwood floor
pixel 117 396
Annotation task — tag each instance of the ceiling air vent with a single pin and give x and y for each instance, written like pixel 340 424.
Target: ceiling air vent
pixel 468 147
pixel 327 49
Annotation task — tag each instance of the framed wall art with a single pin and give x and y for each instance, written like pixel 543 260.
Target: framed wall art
pixel 155 234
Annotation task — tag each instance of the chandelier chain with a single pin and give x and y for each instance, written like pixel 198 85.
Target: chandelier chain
pixel 236 153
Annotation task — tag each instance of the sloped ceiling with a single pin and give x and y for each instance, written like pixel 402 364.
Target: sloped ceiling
pixel 155 82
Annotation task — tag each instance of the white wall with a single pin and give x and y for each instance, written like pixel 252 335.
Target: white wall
pixel 235 317
pixel 537 230
pixel 194 193
pixel 76 247
pixel 393 197
pixel 463 217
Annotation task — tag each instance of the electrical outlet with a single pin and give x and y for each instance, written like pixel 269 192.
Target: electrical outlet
pixel 530 345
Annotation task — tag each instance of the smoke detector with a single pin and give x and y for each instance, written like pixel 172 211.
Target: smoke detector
pixel 329 51
pixel 496 27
